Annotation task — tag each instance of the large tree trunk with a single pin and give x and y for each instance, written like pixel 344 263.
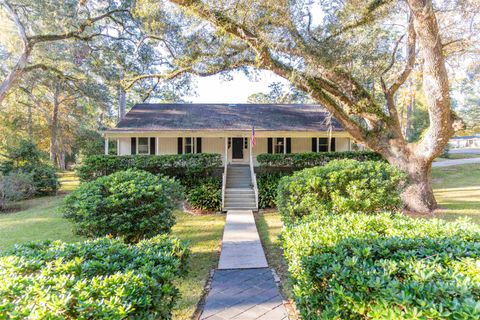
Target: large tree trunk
pixel 418 196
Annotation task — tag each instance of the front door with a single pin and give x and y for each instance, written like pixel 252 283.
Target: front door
pixel 237 148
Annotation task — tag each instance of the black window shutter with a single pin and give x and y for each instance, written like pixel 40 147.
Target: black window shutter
pixel 180 145
pixel 133 146
pixel 314 144
pixel 199 145
pixel 332 144
pixel 153 146
pixel 289 145
pixel 270 145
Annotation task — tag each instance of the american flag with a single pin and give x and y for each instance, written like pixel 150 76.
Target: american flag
pixel 253 141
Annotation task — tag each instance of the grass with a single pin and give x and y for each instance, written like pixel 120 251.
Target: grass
pixel 269 225
pixel 204 234
pixel 457 190
pixel 453 156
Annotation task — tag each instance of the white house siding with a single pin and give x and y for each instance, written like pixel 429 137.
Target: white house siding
pixel 167 145
pixel 342 144
pixel 124 146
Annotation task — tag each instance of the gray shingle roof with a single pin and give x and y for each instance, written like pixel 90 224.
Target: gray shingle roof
pixel 264 117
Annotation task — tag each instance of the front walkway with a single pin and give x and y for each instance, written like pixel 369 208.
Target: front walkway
pixel 243 287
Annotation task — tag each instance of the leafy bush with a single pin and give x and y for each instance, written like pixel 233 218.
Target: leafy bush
pixel 26 158
pixel 207 195
pixel 131 204
pixel 186 167
pixel 267 188
pixel 14 187
pixel 384 266
pixel 99 279
pixel 313 159
pixel 341 186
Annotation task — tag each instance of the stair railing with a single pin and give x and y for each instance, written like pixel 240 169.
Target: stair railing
pixel 253 176
pixel 224 176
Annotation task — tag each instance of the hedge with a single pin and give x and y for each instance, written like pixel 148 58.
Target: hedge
pixel 341 186
pixel 267 188
pixel 132 204
pixel 384 266
pixel 99 279
pixel 185 167
pixel 312 159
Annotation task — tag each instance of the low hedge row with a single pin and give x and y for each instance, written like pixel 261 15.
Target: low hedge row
pixel 99 279
pixel 267 183
pixel 341 186
pixel 185 167
pixel 132 204
pixel 312 159
pixel 206 195
pixel 383 266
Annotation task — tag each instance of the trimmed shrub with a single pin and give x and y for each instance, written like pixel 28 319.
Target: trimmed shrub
pixel 267 188
pixel 44 178
pixel 341 186
pixel 207 195
pixel 130 204
pixel 313 159
pixel 99 279
pixel 186 167
pixel 384 266
pixel 15 187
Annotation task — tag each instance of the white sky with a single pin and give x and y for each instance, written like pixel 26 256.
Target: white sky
pixel 216 90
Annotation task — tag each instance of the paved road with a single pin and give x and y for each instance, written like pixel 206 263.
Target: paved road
pixel 465 151
pixel 243 287
pixel 455 162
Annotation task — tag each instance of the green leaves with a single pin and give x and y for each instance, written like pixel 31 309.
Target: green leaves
pixel 341 186
pixel 384 266
pixel 130 204
pixel 98 279
pixel 207 195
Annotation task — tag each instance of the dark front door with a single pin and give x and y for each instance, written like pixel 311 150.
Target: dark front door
pixel 237 148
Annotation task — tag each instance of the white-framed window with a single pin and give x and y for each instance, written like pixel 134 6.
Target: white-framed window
pixel 279 145
pixel 143 146
pixel 189 145
pixel 322 144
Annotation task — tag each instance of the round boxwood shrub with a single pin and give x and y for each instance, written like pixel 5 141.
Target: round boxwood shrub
pixel 384 266
pixel 130 204
pixel 341 186
pixel 207 195
pixel 98 279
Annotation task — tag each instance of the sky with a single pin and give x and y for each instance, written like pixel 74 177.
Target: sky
pixel 214 89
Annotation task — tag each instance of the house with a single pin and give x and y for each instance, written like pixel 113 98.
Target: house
pixel 226 129
pixel 465 141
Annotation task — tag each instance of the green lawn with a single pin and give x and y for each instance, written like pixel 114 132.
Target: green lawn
pixel 457 189
pixel 204 234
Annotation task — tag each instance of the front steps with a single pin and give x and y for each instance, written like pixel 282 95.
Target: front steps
pixel 239 193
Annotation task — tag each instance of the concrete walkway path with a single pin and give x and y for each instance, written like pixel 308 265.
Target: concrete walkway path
pixel 455 162
pixel 243 287
pixel 241 246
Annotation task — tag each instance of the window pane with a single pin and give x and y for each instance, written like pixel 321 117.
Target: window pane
pixel 279 145
pixel 188 145
pixel 322 144
pixel 143 145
